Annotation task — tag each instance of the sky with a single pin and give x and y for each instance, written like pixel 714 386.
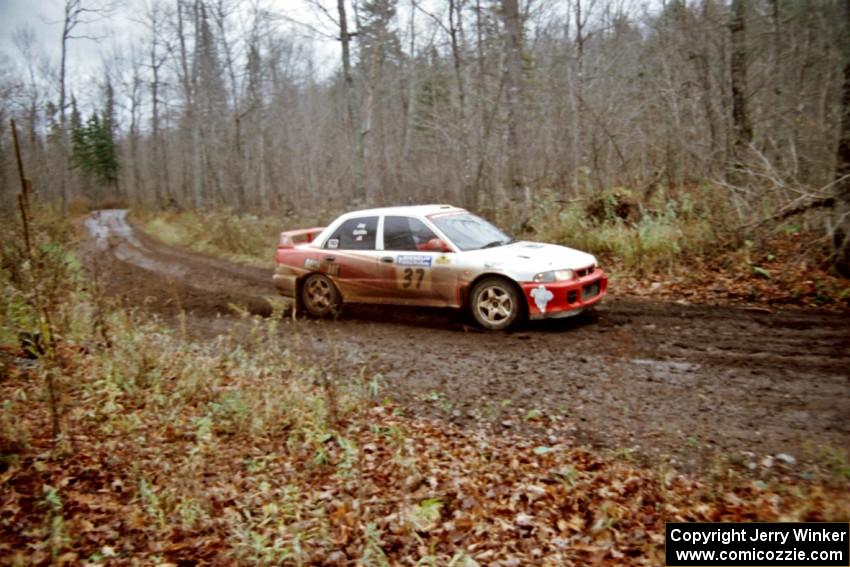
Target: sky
pixel 120 28
pixel 44 18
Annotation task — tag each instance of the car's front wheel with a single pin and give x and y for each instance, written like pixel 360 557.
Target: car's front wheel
pixel 495 304
pixel 320 297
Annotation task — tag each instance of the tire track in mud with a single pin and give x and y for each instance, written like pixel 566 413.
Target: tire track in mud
pixel 683 382
pixel 136 267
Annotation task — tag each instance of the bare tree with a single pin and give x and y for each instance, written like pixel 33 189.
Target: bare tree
pixel 842 170
pixel 78 13
pixel 25 42
pixel 348 82
pixel 226 103
pixel 154 21
pixel 513 86
pixel 741 126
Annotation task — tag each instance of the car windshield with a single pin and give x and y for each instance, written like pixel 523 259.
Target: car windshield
pixel 469 232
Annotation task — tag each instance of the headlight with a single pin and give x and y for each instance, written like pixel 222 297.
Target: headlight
pixel 555 276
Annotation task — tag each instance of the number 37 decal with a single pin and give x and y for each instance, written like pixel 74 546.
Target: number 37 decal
pixel 413 278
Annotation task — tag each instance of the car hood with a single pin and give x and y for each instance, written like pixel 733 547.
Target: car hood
pixel 524 259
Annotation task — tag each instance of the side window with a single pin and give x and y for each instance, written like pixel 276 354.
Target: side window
pixel 354 234
pixel 405 233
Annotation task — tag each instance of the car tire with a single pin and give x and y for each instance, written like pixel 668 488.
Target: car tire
pixel 495 304
pixel 320 297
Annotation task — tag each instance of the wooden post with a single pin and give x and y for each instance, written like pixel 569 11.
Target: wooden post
pixel 40 305
pixel 23 196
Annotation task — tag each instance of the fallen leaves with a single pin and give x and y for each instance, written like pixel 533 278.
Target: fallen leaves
pixel 387 489
pixel 784 270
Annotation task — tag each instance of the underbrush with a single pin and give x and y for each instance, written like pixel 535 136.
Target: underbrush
pixel 692 246
pixel 145 417
pixel 689 245
pixel 631 236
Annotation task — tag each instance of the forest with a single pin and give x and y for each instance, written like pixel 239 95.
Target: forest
pixel 162 404
pixel 228 103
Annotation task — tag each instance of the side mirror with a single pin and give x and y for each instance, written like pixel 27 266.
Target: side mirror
pixel 436 245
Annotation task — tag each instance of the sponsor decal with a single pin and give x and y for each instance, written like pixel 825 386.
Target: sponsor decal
pixel 542 296
pixel 492 265
pixel 333 243
pixel 413 260
pixel 330 267
pixel 360 231
pixel 442 261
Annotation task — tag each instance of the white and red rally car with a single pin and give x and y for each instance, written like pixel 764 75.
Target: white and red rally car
pixel 434 255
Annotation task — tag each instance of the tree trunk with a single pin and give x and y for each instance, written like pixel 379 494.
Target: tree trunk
pixel 480 138
pixel 189 89
pixel 409 106
pixel 841 258
pixel 372 182
pixel 513 84
pixel 63 137
pixel 455 27
pixel 741 128
pixel 157 150
pixel 158 154
pixel 348 80
pixel 575 78
pixel 701 59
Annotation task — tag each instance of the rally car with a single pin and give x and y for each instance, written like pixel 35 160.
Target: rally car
pixel 433 255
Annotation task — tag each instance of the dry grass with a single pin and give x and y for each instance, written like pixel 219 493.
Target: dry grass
pixel 630 236
pixel 239 237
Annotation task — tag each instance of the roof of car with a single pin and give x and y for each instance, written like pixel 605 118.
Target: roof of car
pixel 417 210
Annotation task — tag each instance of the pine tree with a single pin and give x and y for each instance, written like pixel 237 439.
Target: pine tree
pixel 93 148
pixel 79 146
pixel 107 151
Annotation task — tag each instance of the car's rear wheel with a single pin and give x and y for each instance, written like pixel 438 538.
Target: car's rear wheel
pixel 495 304
pixel 320 297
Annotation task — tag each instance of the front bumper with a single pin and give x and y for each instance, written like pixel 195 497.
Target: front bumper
pixel 564 299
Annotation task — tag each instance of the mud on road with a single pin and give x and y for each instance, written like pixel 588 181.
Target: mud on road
pixel 680 382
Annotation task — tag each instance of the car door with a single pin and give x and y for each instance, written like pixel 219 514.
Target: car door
pixel 350 257
pixel 415 265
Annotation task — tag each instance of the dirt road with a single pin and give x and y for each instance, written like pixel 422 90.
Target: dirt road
pixel 685 382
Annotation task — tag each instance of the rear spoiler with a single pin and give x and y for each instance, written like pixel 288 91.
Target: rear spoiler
pixel 289 238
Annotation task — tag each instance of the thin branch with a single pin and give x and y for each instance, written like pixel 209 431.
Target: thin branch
pixel 319 6
pixel 818 200
pixel 437 19
pixel 316 31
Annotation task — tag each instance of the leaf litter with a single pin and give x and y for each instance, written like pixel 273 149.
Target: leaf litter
pixel 387 490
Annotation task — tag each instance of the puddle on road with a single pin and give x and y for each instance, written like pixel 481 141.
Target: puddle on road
pixel 108 224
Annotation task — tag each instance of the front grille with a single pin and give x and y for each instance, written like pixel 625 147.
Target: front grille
pixel 590 291
pixel 572 295
pixel 585 271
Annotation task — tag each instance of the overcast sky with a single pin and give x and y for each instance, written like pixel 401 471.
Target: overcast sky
pixel 44 17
